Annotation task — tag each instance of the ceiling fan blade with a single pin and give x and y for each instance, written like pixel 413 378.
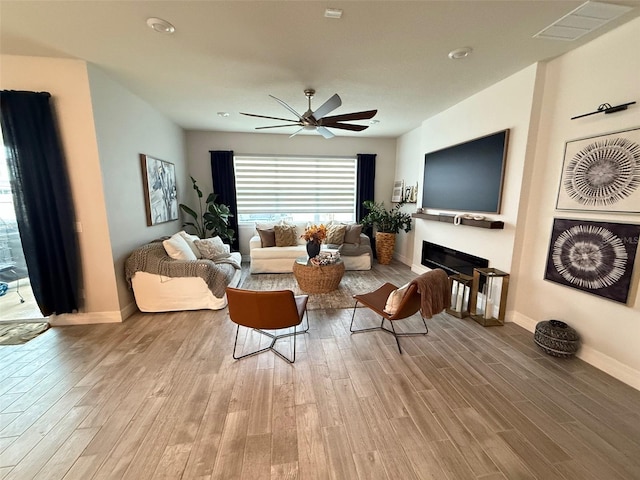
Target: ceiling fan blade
pixel 327 107
pixel 346 126
pixel 366 115
pixel 296 132
pixel 286 106
pixel 324 132
pixel 278 126
pixel 264 116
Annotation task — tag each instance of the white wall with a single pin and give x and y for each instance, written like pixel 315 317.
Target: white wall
pixel 127 126
pixel 537 104
pixel 67 82
pixel 605 70
pixel 507 104
pixel 103 130
pixel 199 143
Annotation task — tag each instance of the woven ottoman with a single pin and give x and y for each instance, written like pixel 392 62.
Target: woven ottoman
pixel 318 279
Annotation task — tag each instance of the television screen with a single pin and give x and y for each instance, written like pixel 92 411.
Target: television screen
pixel 466 177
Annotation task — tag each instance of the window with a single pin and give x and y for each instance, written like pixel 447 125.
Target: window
pixel 318 189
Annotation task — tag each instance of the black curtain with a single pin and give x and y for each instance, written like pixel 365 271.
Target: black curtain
pixel 224 184
pixel 42 199
pixel 365 189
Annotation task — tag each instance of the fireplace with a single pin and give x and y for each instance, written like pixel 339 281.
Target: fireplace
pixel 450 260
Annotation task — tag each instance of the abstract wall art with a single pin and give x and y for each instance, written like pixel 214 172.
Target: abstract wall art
pixel 595 257
pixel 160 195
pixel 602 173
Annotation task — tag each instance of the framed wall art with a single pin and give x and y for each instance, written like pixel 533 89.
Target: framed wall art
pixel 595 257
pixel 398 191
pixel 602 173
pixel 160 194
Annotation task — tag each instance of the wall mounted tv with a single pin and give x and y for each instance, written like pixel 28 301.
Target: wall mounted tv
pixel 466 177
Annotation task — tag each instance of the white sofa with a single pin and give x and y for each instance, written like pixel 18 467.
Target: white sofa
pixel 281 259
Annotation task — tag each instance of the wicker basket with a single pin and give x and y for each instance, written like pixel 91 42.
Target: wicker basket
pixel 318 279
pixel 556 338
pixel 385 243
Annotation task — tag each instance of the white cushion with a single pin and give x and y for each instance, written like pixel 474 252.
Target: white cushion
pixel 212 248
pixel 190 239
pixel 177 248
pixel 394 299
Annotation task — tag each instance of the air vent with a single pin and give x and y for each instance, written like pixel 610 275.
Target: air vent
pixel 586 18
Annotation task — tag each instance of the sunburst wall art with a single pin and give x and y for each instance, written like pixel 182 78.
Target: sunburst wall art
pixel 602 173
pixel 595 257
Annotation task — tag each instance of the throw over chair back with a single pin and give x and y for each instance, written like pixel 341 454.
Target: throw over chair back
pixel 428 294
pixel 267 310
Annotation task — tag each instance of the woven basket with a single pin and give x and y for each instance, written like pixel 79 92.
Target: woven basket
pixel 385 244
pixel 556 338
pixel 318 279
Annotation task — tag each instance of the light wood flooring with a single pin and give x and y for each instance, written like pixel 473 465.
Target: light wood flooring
pixel 159 397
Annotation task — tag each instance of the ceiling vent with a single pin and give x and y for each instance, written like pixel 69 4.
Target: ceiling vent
pixel 584 19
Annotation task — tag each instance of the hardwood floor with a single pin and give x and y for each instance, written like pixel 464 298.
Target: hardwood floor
pixel 159 397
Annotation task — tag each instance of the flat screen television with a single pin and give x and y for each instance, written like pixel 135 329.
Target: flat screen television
pixel 466 177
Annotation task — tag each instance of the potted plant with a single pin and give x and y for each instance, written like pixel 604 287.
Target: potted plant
pixel 387 223
pixel 213 220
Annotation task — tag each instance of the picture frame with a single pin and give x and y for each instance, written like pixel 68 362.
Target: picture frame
pixel 595 257
pixel 160 193
pixel 602 173
pixel 398 191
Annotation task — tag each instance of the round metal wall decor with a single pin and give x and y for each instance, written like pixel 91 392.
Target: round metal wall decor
pixel 604 172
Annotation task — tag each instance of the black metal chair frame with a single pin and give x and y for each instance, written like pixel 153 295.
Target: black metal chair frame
pixel 274 338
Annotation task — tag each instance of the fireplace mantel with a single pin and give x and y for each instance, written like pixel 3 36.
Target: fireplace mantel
pixel 469 222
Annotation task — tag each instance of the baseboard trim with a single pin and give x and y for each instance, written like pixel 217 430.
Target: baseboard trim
pixel 129 310
pixel 593 357
pixel 67 319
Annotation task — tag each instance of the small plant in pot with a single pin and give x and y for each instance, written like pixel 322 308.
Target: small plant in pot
pixel 210 221
pixel 387 224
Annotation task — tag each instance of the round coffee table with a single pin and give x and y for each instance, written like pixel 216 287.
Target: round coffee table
pixel 317 279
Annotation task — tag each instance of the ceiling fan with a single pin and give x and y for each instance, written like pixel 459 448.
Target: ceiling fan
pixel 317 120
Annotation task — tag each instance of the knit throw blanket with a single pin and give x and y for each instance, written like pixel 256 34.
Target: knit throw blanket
pixel 435 295
pixel 152 258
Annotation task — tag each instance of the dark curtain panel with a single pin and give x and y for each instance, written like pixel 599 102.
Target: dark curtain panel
pixel 224 184
pixel 42 198
pixel 366 176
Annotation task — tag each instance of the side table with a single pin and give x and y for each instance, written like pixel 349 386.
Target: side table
pixel 317 279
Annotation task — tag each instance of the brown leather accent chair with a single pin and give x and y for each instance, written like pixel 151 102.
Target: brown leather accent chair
pixel 267 310
pixel 376 301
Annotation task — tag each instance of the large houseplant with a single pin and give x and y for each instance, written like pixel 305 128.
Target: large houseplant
pixel 387 224
pixel 211 221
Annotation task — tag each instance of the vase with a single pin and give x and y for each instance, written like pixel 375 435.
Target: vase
pixel 385 243
pixel 313 249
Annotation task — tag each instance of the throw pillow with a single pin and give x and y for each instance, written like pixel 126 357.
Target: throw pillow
pixel 267 237
pixel 335 234
pixel 352 234
pixel 394 299
pixel 212 248
pixel 190 239
pixel 285 235
pixel 177 248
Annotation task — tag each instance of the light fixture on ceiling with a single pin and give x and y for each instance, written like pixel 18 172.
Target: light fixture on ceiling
pixel 374 121
pixel 333 13
pixel 460 53
pixel 223 114
pixel 161 26
pixel 584 19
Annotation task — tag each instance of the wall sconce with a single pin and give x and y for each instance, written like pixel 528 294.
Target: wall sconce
pixel 606 108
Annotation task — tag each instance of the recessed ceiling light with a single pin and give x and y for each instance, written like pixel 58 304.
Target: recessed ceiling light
pixel 161 26
pixel 333 13
pixel 460 53
pixel 223 114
